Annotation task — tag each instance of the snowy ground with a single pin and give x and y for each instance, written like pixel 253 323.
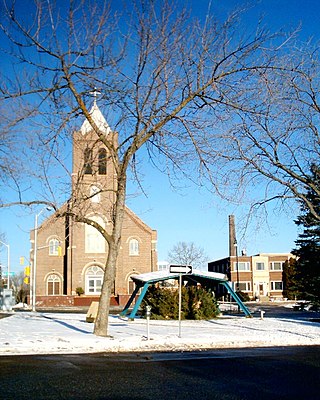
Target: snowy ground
pixel 44 333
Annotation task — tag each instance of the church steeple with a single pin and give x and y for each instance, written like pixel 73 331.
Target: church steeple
pixel 99 120
pixel 93 170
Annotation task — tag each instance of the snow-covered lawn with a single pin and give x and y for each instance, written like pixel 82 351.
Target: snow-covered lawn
pixel 44 333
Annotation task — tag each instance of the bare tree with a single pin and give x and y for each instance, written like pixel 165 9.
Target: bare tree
pixel 9 168
pixel 169 84
pixel 277 147
pixel 184 253
pixel 20 288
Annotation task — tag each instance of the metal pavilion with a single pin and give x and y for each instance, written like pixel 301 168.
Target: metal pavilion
pixel 205 278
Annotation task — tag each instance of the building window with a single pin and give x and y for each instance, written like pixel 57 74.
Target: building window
pixel 53 285
pixel 94 241
pixel 88 161
pixel 260 266
pixel 276 285
pixel 133 247
pixel 95 194
pixel 276 266
pixel 163 266
pixel 54 247
pixel 102 159
pixel 244 286
pixel 242 266
pixel 94 279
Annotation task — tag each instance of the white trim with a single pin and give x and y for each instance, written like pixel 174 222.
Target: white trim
pixel 134 237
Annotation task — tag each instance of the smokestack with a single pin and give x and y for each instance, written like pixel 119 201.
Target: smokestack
pixel 232 236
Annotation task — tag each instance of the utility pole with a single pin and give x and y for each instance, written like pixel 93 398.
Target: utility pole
pixel 8 263
pixel 34 269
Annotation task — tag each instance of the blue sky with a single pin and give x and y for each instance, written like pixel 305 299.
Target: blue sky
pixel 192 214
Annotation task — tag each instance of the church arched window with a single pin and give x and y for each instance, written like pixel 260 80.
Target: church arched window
pixel 134 247
pixel 88 161
pixel 94 278
pixel 54 247
pixel 53 285
pixel 102 159
pixel 94 241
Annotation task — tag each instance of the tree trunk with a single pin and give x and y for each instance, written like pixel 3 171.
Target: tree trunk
pixel 101 322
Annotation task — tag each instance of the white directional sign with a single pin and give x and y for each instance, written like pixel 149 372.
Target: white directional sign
pixel 180 269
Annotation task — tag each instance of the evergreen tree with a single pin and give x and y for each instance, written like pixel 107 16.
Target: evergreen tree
pixel 308 244
pixel 196 303
pixel 289 279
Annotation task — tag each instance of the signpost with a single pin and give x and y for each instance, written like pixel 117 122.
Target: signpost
pixel 181 270
pixel 148 314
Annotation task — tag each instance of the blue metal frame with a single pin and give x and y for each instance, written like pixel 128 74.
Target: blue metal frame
pixel 146 285
pixel 132 297
pixel 138 302
pixel 237 299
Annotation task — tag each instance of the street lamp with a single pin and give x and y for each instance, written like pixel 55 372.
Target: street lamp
pixel 34 269
pixel 237 264
pixel 8 263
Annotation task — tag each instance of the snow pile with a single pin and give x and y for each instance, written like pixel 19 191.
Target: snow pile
pixel 49 333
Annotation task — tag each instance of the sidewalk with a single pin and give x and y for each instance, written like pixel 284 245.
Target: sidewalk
pixel 50 333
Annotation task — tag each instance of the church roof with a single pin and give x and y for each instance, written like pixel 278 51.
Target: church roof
pixel 137 219
pixel 99 120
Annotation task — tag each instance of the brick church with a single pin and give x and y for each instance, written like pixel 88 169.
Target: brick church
pixel 72 255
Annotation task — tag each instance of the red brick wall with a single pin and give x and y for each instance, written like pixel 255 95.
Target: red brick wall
pixel 87 300
pixel 54 301
pixel 77 301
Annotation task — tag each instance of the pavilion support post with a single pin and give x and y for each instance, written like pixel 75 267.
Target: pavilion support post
pixel 139 300
pixel 237 299
pixel 132 297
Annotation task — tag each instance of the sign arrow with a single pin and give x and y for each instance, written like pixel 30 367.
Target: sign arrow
pixel 180 269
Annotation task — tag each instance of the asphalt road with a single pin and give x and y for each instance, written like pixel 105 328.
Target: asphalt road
pixel 274 310
pixel 237 374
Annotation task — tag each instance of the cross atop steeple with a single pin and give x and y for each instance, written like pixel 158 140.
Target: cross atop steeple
pixel 95 93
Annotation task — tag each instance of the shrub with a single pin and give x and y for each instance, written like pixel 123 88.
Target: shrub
pixel 79 291
pixel 196 303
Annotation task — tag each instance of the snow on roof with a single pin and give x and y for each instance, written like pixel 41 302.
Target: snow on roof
pixel 99 120
pixel 164 275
